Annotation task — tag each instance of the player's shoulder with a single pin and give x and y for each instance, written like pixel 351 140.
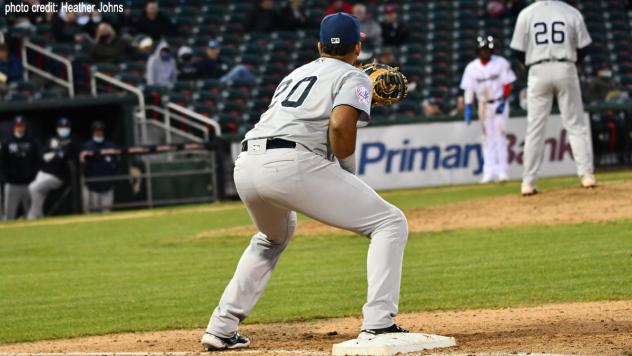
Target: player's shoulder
pixel 472 65
pixel 500 59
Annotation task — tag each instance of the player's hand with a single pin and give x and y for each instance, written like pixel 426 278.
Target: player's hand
pixel 468 113
pixel 501 107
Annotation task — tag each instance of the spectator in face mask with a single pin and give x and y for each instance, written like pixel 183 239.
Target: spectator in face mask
pixel 19 162
pixel 161 67
pixel 600 86
pixel 187 68
pixel 108 46
pixel 60 158
pixel 98 196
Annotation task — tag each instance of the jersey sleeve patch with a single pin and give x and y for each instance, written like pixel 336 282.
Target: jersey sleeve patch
pixel 363 94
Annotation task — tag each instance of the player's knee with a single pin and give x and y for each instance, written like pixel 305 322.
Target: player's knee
pixel 401 223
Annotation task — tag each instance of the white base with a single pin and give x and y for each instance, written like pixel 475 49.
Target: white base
pixel 391 344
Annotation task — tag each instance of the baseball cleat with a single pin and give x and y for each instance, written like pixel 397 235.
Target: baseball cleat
pixel 486 179
pixel 371 333
pixel 528 190
pixel 503 177
pixel 589 181
pixel 213 343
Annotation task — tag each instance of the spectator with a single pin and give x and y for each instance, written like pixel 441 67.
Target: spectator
pixel 108 47
pixel 394 33
pixel 496 9
pixel 19 162
pixel 459 109
pixel 3 84
pixel 10 65
pixel 60 158
pixel 370 27
pixel 600 86
pixel 213 67
pixel 293 16
pixel 161 67
pixel 387 57
pixel 98 196
pixel 187 68
pixel 431 107
pixel 263 18
pixel 338 6
pixel 66 29
pixel 154 23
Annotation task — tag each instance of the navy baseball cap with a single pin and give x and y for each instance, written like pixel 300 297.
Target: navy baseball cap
pixel 63 122
pixel 19 121
pixel 340 29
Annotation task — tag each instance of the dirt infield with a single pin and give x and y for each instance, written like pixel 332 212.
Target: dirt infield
pixel 595 328
pixel 599 328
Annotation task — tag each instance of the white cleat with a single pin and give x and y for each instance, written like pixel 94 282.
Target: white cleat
pixel 486 179
pixel 528 189
pixel 503 177
pixel 211 342
pixel 589 181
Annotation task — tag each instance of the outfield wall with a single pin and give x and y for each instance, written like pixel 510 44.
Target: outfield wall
pixel 445 153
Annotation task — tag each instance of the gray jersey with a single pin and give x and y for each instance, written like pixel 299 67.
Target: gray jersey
pixel 302 103
pixel 550 29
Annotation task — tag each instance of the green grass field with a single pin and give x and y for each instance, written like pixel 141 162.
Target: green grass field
pixel 88 278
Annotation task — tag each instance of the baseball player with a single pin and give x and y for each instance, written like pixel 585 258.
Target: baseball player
pixel 19 162
pixel 489 78
pixel 287 165
pixel 550 37
pixel 60 152
pixel 98 196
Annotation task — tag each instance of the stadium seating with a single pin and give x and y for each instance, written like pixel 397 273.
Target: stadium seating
pixel 442 41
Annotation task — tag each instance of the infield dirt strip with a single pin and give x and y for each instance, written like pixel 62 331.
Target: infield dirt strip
pixel 593 328
pixel 596 328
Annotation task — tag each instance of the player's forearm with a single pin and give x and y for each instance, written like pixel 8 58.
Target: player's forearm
pixel 342 130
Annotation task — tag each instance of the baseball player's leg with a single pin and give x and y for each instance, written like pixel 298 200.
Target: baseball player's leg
pixel 335 197
pixel 276 226
pixel 500 130
pixel 38 190
pixel 489 144
pixel 539 103
pixel 107 200
pixel 85 200
pixel 574 120
pixel 14 197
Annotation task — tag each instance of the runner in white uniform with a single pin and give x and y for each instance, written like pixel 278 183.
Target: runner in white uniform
pixel 287 165
pixel 489 78
pixel 551 35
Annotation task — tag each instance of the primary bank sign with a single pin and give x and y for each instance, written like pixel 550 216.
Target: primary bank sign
pixel 415 155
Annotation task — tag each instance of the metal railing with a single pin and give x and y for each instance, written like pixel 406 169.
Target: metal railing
pixel 140 114
pixel 167 125
pixel 69 83
pixel 195 116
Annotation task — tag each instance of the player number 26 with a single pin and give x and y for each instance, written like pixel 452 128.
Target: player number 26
pixel 557 35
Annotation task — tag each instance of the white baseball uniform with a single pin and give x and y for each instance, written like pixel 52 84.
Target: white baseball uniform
pixel 486 81
pixel 550 32
pixel 273 183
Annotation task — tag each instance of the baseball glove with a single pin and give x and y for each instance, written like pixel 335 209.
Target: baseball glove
pixel 389 84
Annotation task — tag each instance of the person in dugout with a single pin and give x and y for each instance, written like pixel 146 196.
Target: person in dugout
pixel 19 162
pixel 60 155
pixel 98 196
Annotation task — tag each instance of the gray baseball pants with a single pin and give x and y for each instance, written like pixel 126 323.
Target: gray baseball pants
pixel 14 196
pixel 546 81
pixel 96 201
pixel 38 190
pixel 273 184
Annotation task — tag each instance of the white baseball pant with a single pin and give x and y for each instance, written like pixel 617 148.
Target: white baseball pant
pixel 495 142
pixel 273 184
pixel 548 80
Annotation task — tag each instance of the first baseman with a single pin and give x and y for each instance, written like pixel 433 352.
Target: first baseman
pixel 287 165
pixel 489 78
pixel 551 37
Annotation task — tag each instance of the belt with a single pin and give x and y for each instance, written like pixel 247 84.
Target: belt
pixel 550 60
pixel 495 100
pixel 272 143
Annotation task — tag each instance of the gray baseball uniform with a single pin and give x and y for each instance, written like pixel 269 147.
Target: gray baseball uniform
pixel 550 32
pixel 274 183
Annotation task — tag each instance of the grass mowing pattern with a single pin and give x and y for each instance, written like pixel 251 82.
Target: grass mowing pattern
pixel 147 274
